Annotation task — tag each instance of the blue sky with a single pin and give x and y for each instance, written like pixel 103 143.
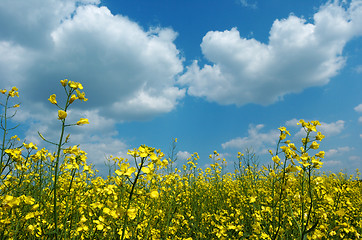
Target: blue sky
pixel 217 75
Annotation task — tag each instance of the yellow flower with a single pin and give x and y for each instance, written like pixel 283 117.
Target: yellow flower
pixel 145 170
pixel 30 145
pixel 81 95
pixel 130 171
pixel 13 92
pixel 100 226
pixel 301 121
pixel 3 91
pixel 252 199
pixel 153 157
pixel 132 213
pixel 52 99
pixel 276 159
pixel 119 173
pixel 314 145
pixel 319 136
pixel 304 157
pixel 320 154
pixel 64 82
pixel 284 129
pixel 164 163
pixel 154 194
pixel 282 136
pixel 75 85
pixel 72 98
pixel 315 123
pixel 61 114
pixel 29 215
pixel 340 212
pixel 83 121
pixel 16 106
pixel 106 210
pixel 83 219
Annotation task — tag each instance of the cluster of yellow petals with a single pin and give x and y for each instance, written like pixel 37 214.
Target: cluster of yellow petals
pixel 62 114
pixel 12 93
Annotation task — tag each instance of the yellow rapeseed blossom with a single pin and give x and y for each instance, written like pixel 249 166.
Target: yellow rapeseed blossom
pixel 81 96
pixel 30 145
pixel 61 114
pixel 154 194
pixel 13 92
pixel 276 159
pixel 52 99
pixel 75 85
pixel 132 213
pixel 72 98
pixel 83 121
pixel 314 145
pixel 145 170
pixel 320 154
pixel 64 82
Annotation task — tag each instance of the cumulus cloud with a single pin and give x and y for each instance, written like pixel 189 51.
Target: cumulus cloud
pixel 183 155
pixel 358 108
pixel 292 122
pixel 259 141
pixel 128 73
pixel 331 129
pixel 298 55
pixel 337 151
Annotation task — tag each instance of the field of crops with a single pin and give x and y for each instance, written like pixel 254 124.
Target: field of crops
pixel 57 195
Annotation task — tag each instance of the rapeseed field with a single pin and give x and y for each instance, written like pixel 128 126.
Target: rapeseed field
pixel 57 195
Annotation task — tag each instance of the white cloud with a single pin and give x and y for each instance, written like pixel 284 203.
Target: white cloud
pixel 292 122
pixel 337 151
pixel 298 55
pixel 183 155
pixel 28 23
pixel 128 73
pixel 248 3
pixel 331 129
pixel 358 108
pixel 260 142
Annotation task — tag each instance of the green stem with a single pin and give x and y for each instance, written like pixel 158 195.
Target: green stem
pixel 60 144
pixel 4 135
pixel 56 180
pixel 130 197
